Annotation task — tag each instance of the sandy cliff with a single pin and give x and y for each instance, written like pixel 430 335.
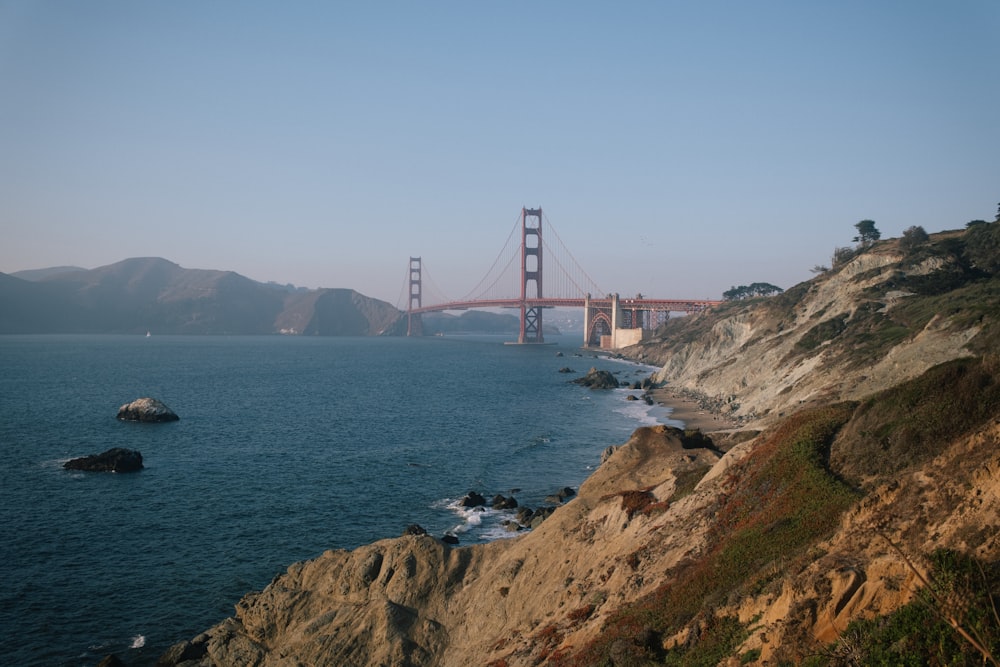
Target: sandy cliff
pixel 844 335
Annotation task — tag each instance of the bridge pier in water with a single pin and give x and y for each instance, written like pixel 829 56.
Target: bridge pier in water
pixel 414 325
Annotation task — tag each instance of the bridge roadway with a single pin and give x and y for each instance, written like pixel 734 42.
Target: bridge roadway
pixel 672 305
pixel 611 322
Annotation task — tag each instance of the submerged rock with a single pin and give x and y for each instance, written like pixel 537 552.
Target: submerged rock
pixel 117 459
pixel 146 410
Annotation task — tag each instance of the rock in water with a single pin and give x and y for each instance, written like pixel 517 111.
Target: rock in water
pixel 146 410
pixel 596 379
pixel 113 460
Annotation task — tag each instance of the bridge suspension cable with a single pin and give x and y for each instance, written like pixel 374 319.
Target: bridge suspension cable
pixel 589 286
pixel 489 284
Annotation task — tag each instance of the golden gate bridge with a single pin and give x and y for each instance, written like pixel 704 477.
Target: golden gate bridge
pixel 516 281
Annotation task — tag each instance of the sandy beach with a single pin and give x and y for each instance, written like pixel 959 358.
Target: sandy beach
pixel 689 412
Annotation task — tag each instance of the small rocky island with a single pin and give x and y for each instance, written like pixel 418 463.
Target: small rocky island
pixel 596 379
pixel 117 459
pixel 146 410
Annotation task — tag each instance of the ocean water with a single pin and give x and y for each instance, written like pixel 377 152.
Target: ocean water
pixel 286 447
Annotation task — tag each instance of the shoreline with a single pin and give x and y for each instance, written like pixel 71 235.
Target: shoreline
pixel 687 410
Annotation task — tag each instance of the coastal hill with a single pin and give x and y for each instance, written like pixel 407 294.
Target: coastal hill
pixel 152 294
pixel 853 516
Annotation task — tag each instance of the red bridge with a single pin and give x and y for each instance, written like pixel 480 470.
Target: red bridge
pixel 609 321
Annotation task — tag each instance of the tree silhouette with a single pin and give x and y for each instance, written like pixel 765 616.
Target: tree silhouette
pixel 750 291
pixel 913 237
pixel 867 233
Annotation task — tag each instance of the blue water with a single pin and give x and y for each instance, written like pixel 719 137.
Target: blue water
pixel 286 447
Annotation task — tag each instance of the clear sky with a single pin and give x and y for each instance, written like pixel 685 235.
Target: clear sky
pixel 677 148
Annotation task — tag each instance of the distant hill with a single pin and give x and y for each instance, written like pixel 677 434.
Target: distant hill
pixel 42 274
pixel 153 294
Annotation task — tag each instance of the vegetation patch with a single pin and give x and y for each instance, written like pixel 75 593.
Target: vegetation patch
pixel 686 480
pixel 634 501
pixel 912 422
pixel 822 332
pixel 715 643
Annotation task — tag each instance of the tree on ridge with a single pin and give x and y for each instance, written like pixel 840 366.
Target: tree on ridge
pixel 867 233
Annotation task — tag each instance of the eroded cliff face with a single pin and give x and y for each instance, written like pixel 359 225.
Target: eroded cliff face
pixel 760 361
pixel 543 597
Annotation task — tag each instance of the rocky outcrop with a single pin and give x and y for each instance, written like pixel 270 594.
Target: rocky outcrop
pixel 146 410
pixel 117 459
pixel 598 379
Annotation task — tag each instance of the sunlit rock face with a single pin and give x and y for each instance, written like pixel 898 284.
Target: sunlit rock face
pixel 146 410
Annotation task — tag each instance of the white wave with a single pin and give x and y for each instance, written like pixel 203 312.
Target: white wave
pixel 484 521
pixel 642 412
pixel 138 641
pixel 501 533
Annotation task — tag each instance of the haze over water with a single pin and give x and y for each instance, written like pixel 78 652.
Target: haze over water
pixel 286 447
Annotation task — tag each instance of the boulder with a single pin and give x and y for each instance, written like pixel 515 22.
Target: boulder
pixel 415 529
pixel 503 503
pixel 596 379
pixel 117 459
pixel 146 410
pixel 472 499
pixel 540 515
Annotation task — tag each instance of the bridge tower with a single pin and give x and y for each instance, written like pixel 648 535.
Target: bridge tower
pixel 414 325
pixel 531 275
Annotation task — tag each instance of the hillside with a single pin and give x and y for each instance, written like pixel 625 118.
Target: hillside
pixel 152 294
pixel 886 315
pixel 852 520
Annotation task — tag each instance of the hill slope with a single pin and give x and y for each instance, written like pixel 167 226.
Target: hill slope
pixel 885 316
pixel 152 294
pixel 857 528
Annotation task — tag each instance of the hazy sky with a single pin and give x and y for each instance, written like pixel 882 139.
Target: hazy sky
pixel 677 148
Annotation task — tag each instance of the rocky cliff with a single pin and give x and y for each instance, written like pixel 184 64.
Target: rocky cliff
pixel 853 520
pixel 885 316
